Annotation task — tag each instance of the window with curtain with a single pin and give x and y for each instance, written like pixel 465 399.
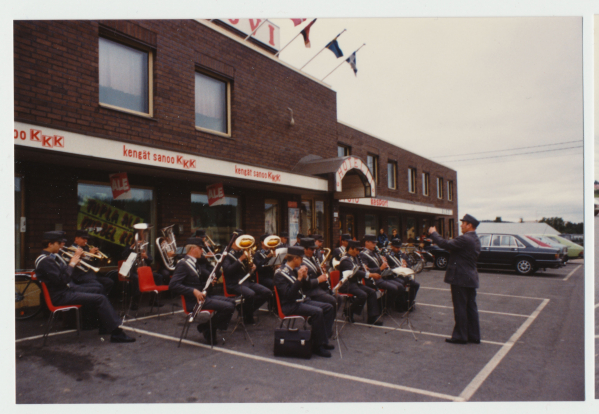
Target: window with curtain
pixel 425 184
pixel 372 161
pixel 439 187
pixel 412 180
pixel 211 103
pixel 124 76
pixel 342 150
pixel 391 174
pixel 450 190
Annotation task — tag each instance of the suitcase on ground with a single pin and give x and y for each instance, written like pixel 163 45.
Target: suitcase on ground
pixel 293 343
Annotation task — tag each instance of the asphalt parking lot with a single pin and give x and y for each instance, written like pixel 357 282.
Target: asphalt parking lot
pixel 532 350
pixel 596 310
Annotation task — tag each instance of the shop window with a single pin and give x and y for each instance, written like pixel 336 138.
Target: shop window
pixel 450 190
pixel 125 77
pixel 412 180
pixel 371 222
pixel 426 184
pixel 426 224
pixel 393 226
pixel 373 165
pixel 319 223
pixel 306 217
pixel 271 216
pixel 218 221
pixel 451 228
pixel 392 175
pixel 439 187
pixel 410 229
pixel 343 150
pixel 441 227
pixel 111 221
pixel 18 214
pixel 212 103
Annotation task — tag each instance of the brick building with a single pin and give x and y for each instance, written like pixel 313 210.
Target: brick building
pixel 179 105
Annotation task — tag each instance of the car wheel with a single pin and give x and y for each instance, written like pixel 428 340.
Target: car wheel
pixel 441 262
pixel 525 267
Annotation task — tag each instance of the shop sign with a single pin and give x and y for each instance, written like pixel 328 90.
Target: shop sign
pixel 354 163
pixel 120 186
pixel 379 202
pixel 268 33
pixel 107 222
pixel 216 194
pixel 292 204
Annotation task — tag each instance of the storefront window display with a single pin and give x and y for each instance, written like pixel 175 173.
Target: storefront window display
pixel 271 215
pixel 218 221
pixel 306 217
pixel 371 222
pixel 410 229
pixel 392 224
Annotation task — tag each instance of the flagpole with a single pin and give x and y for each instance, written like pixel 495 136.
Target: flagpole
pixel 345 60
pixel 300 32
pixel 323 49
pixel 256 29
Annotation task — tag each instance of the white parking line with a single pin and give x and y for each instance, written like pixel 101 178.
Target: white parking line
pixel 491 294
pixel 151 316
pixel 41 336
pixel 480 311
pixel 571 273
pixel 302 367
pixel 492 364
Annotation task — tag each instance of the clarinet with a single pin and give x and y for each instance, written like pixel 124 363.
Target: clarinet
pixel 198 307
pixel 322 272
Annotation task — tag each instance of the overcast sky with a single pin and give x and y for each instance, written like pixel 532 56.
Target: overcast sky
pixel 454 89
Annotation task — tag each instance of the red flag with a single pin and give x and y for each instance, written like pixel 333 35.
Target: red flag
pixel 297 22
pixel 306 33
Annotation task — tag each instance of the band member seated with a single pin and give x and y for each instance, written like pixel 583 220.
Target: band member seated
pixel 300 236
pixel 396 258
pixel 376 265
pixel 318 252
pixel 235 268
pixel 189 280
pixel 318 288
pixel 88 288
pixel 266 273
pixel 58 278
pixel 145 260
pixel 284 239
pixel 88 277
pixel 290 283
pixel 362 294
pixel 340 251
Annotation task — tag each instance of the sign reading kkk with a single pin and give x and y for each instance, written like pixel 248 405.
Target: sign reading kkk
pixel 216 194
pixel 120 186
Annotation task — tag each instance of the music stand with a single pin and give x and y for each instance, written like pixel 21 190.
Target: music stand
pixel 279 257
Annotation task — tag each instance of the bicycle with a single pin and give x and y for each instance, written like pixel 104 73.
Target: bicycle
pixel 29 299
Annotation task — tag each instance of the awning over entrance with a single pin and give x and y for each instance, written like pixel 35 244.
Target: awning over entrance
pixel 398 205
pixel 351 176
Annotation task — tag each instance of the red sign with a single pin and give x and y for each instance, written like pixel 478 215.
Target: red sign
pixel 120 186
pixel 292 204
pixel 216 194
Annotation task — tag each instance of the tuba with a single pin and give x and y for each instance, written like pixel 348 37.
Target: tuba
pixel 167 244
pixel 140 244
pixel 247 243
pixel 272 242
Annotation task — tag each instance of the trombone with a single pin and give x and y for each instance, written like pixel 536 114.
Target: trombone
pixel 82 265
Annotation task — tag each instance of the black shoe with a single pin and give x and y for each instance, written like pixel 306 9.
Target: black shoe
pixel 349 315
pixel 328 346
pixel 455 341
pixel 373 321
pixel 119 336
pixel 321 351
pixel 208 337
pixel 203 327
pixel 474 341
pixel 249 321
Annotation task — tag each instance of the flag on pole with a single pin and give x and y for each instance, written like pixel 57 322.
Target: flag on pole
pixel 297 22
pixel 306 33
pixel 334 47
pixel 352 62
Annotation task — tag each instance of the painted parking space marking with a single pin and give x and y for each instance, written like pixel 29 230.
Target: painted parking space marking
pixel 571 273
pixel 479 311
pixel 29 338
pixel 485 293
pixel 302 367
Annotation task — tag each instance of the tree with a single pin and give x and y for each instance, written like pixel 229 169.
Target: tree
pixel 564 227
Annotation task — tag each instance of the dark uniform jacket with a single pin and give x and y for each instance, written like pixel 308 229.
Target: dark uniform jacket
pixel 56 275
pixel 313 273
pixel 79 272
pixel 463 253
pixel 261 259
pixel 338 253
pixel 290 290
pixel 394 259
pixel 372 260
pixel 187 277
pixel 348 263
pixel 233 269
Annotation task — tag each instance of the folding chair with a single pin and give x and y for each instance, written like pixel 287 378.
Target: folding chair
pixel 239 301
pixel 147 285
pixel 289 318
pixel 187 324
pixel 55 309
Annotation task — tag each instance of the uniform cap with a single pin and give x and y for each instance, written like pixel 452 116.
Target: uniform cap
pixel 469 219
pixel 296 251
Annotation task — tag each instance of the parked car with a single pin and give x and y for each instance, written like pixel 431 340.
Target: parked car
pixel 545 241
pixel 574 250
pixel 507 251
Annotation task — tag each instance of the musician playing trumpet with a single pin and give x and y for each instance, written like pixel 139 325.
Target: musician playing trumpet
pixel 189 279
pixel 88 277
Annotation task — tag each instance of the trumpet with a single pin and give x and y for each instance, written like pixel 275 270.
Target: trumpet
pixel 85 254
pixel 81 265
pixel 102 255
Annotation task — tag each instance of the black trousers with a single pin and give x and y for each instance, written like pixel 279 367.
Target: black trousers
pixel 465 313
pixel 319 295
pixel 362 294
pixel 94 301
pixel 254 296
pixel 223 309
pixel 321 315
pixel 267 282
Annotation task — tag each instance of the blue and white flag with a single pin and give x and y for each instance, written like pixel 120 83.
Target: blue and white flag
pixel 334 47
pixel 352 62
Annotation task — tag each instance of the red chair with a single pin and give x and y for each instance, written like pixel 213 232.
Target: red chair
pixel 239 301
pixel 188 322
pixel 55 309
pixel 290 318
pixel 147 285
pixel 334 279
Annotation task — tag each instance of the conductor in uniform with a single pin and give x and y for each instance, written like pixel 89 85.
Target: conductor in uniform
pixel 462 275
pixel 189 279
